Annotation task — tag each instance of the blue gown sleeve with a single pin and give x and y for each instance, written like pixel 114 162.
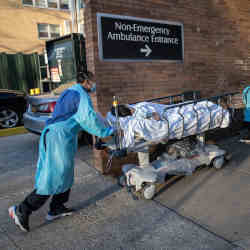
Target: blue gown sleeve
pixel 89 120
pixel 66 106
pixel 245 95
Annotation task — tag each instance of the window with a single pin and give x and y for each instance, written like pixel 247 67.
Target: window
pixel 51 4
pixel 43 30
pixel 64 4
pixel 41 3
pixel 48 31
pixel 67 27
pixel 54 30
pixel 28 2
pixel 81 28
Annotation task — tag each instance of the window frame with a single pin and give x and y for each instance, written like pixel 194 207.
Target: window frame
pixel 46 5
pixel 28 5
pixel 49 31
pixel 58 3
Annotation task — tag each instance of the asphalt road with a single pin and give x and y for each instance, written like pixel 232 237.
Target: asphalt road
pixel 209 210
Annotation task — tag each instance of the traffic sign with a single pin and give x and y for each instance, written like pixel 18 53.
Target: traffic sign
pixel 124 38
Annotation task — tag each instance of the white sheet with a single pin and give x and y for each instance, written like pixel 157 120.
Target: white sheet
pixel 194 122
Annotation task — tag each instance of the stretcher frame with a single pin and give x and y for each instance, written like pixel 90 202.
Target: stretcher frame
pixel 216 99
pixel 142 181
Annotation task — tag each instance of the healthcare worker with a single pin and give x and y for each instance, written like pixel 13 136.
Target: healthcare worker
pixel 58 144
pixel 246 101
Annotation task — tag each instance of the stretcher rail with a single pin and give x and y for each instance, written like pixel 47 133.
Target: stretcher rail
pixel 172 97
pixel 216 99
pixel 212 98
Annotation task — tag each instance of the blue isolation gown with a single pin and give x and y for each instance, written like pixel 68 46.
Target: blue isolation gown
pixel 246 100
pixel 55 166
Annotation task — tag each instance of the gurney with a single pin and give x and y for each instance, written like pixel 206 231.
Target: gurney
pixel 178 126
pixel 177 121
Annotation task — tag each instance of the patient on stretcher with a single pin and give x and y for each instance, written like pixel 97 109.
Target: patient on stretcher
pixel 155 122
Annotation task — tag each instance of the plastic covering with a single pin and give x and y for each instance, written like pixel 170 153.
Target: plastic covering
pixel 55 167
pixel 175 123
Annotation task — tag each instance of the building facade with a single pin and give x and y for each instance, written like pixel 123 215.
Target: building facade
pixel 26 24
pixel 216 56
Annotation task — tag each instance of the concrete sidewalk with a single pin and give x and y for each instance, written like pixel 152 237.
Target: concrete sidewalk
pixel 107 217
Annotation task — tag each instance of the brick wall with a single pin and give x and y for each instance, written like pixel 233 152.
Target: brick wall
pixel 216 51
pixel 18 30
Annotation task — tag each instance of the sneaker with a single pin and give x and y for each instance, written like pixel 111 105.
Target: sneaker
pixel 21 220
pixel 59 212
pixel 245 139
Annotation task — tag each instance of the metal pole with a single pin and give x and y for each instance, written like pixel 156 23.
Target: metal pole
pixel 118 139
pixel 78 14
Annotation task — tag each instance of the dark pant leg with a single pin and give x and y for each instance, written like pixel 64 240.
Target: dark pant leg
pixel 248 126
pixel 32 202
pixel 59 199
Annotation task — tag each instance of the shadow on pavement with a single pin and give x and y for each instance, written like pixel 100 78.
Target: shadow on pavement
pixel 84 204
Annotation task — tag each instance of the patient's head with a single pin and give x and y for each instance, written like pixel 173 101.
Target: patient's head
pixel 123 110
pixel 223 102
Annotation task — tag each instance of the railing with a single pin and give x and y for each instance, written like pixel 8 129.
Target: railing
pixel 193 104
pixel 175 98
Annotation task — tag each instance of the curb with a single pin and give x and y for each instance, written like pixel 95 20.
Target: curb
pixel 12 131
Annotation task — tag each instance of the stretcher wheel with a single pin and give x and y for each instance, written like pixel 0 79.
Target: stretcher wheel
pixel 122 180
pixel 149 191
pixel 228 157
pixel 218 162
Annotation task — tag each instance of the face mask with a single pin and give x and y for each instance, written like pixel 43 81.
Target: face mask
pixel 93 88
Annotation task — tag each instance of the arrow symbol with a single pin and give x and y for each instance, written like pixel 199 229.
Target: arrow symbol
pixel 146 50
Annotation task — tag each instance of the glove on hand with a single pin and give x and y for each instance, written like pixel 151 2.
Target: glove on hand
pixel 119 153
pixel 99 145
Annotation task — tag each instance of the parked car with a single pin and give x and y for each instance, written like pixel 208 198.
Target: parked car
pixel 12 106
pixel 39 110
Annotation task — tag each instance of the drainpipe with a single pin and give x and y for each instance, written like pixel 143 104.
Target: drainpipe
pixel 79 16
pixel 73 7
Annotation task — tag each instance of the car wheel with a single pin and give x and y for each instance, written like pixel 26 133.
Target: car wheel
pixel 8 118
pixel 218 162
pixel 149 191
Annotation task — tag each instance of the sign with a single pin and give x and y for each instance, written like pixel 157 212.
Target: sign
pixel 55 75
pixel 124 38
pixel 61 61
